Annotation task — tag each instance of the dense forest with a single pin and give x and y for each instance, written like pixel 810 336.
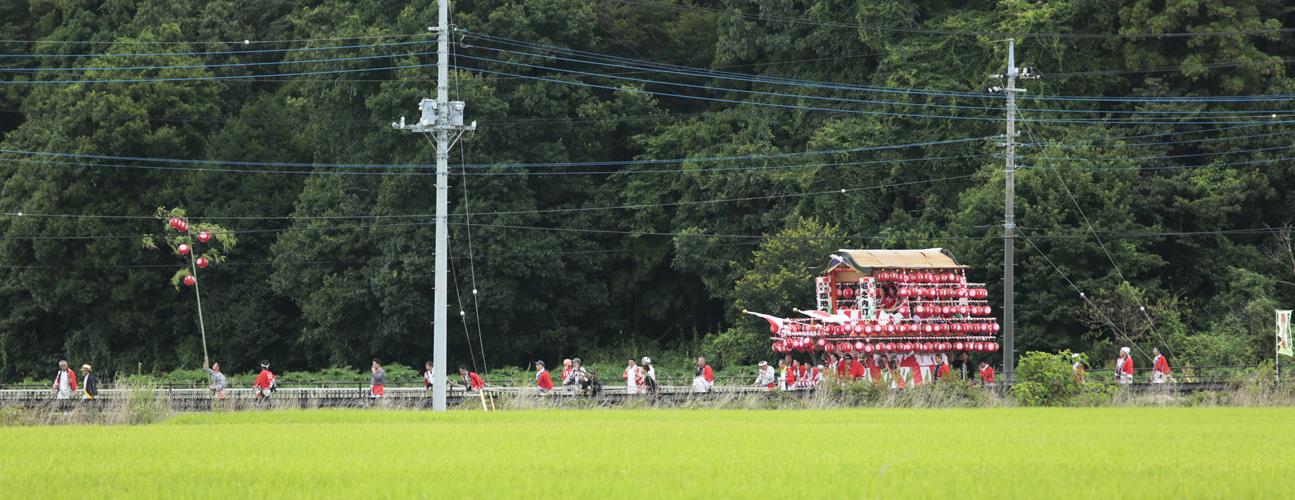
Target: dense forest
pixel 642 171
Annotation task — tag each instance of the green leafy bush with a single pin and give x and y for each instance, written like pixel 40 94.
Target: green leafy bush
pixel 1048 379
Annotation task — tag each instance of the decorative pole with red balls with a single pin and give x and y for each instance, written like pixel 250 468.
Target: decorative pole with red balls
pixel 217 240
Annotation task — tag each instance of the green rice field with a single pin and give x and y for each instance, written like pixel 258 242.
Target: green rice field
pixel 553 454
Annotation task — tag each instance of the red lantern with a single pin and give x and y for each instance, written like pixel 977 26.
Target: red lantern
pixel 919 310
pixel 174 222
pixel 867 349
pixel 204 236
pixel 904 292
pixel 890 329
pixel 903 310
pixel 844 346
pixel 962 310
pixel 991 347
pixel 190 280
pixel 890 347
pixel 859 346
pixel 928 329
pixel 202 262
pixel 829 347
pixel 994 328
pixel 182 226
pixel 182 249
pixel 957 346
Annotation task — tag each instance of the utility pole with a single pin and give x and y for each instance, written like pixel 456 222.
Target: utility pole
pixel 443 120
pixel 1009 208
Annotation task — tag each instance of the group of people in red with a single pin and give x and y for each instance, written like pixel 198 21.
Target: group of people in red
pixel 1124 367
pixel 895 371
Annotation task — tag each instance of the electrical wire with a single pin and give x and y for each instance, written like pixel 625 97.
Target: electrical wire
pixel 1124 280
pixel 238 52
pixel 924 31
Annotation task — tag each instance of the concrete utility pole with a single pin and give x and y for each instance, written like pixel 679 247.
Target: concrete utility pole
pixel 442 119
pixel 1009 210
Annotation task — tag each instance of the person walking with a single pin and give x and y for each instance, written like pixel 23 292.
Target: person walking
pixel 64 382
pixel 633 376
pixel 986 374
pixel 704 378
pixel 264 384
pixel 89 384
pixel 1078 367
pixel 377 380
pixel 216 379
pixel 1124 367
pixel 765 376
pixel 542 378
pixel 429 377
pixel 1160 374
pixel 649 371
pixel 470 379
pixel 566 370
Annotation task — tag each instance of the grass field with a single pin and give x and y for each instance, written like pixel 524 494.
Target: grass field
pixel 979 453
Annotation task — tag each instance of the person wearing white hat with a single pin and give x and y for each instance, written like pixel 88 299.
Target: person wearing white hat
pixel 766 377
pixel 649 371
pixel 1124 367
pixel 1160 374
pixel 1078 367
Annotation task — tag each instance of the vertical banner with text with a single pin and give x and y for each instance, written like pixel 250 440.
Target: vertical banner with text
pixel 1284 333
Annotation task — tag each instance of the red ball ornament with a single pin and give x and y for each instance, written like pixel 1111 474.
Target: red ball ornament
pixel 182 249
pixel 190 280
pixel 204 236
pixel 202 262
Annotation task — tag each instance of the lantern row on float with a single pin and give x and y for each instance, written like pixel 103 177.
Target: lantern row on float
pixel 870 329
pixel 824 345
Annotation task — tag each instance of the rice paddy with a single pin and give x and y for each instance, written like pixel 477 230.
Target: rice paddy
pixel 859 453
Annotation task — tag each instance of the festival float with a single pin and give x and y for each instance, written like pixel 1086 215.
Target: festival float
pixel 905 305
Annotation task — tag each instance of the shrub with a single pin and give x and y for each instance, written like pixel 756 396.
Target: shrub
pixel 1047 379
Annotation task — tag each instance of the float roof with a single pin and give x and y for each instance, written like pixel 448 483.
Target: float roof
pixel 862 260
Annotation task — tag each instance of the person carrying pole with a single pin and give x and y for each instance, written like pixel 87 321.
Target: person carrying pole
pixel 217 379
pixel 470 379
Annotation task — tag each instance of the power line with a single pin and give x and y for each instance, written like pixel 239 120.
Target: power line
pixel 238 52
pixel 924 31
pixel 209 42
